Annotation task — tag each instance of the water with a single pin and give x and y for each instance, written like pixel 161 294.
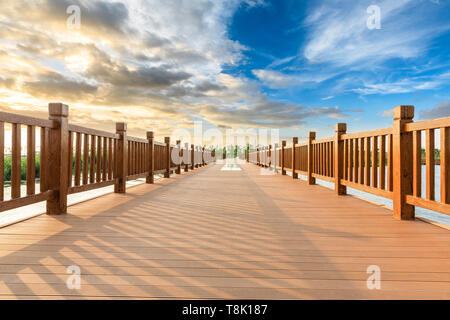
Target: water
pixel 420 212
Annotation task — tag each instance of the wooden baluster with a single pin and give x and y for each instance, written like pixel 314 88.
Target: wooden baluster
pixel 178 148
pixel 402 163
pixel 361 161
pixel 151 157
pixel 31 160
pixel 142 157
pixel 417 163
pixel 129 158
pixel 345 160
pixel 375 162
pixel 115 165
pixel 78 159
pixel 105 159
pixel 121 158
pixel 16 161
pixel 43 159
pixel 322 158
pixel 283 156
pixel 269 156
pixel 367 162
pixel 445 165
pixel 85 159
pixel 332 159
pixel 339 158
pixel 58 179
pixel 390 182
pixel 99 159
pixel 135 156
pixel 70 159
pixel 2 161
pixel 350 160
pixel 193 157
pixel 429 137
pixel 294 143
pixel 110 159
pixel 93 160
pixel 167 164
pixel 355 161
pixel 203 156
pixel 186 155
pixel 382 167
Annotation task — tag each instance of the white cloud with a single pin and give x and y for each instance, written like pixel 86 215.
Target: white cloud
pixel 279 80
pixel 338 33
pixel 404 85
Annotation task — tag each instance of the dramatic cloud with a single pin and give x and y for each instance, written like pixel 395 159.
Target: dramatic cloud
pixel 440 110
pixel 154 64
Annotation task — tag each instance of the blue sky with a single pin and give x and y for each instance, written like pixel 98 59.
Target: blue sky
pixel 335 60
pixel 160 65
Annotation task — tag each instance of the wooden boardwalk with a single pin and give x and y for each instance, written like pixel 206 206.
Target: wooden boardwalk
pixel 225 234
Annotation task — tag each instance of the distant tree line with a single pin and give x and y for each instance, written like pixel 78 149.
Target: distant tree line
pixel 23 162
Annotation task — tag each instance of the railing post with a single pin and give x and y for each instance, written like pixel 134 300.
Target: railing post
pixel 151 152
pixel 58 180
pixel 121 158
pixel 178 170
pixel 294 142
pixel 203 156
pixel 167 142
pixel 340 129
pixel 311 138
pixel 283 145
pixel 192 157
pixel 402 163
pixel 270 156
pixel 186 157
pixel 198 156
pixel 258 158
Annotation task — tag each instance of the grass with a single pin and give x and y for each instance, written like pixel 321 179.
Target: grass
pixel 23 168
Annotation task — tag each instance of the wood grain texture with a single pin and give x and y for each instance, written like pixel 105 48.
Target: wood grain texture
pixel 140 245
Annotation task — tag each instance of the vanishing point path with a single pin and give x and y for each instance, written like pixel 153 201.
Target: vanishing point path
pixel 212 233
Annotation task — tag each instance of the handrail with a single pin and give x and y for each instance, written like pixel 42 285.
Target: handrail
pixel 75 159
pixel 384 162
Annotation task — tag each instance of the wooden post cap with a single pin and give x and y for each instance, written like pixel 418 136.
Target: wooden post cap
pixel 121 126
pixel 167 139
pixel 149 134
pixel 283 143
pixel 294 140
pixel 340 127
pixel 311 135
pixel 58 109
pixel 403 113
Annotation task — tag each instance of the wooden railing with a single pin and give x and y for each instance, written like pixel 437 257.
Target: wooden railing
pixel 385 162
pixel 75 159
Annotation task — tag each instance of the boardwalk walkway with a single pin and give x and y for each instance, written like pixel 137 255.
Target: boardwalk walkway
pixel 225 234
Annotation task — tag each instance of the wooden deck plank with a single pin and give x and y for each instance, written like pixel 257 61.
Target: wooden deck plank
pixel 229 234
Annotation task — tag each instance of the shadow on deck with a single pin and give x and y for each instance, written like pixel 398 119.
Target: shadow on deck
pixel 224 234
